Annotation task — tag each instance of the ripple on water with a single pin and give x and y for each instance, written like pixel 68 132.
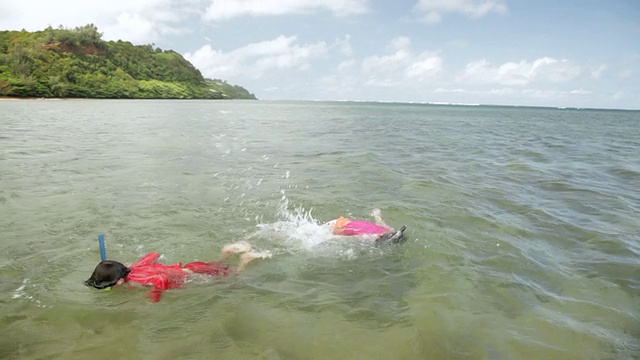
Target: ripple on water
pixel 523 232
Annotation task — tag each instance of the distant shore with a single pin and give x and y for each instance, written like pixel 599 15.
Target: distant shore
pixel 27 98
pixel 78 98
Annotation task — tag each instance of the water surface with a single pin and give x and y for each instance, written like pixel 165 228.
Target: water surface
pixel 522 222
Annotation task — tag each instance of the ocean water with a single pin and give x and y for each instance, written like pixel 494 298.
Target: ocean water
pixel 522 224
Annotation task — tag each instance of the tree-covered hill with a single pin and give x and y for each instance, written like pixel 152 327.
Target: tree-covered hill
pixel 77 63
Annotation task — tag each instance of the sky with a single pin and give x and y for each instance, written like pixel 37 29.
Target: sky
pixel 562 53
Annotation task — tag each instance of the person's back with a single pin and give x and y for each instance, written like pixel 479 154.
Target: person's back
pixel 162 277
pixel 362 227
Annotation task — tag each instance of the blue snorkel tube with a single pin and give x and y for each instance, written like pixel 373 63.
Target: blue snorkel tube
pixel 103 252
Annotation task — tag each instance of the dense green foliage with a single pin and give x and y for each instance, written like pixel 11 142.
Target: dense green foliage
pixel 77 63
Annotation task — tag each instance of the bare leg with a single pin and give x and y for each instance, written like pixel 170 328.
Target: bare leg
pixel 376 215
pixel 234 249
pixel 248 257
pixel 243 249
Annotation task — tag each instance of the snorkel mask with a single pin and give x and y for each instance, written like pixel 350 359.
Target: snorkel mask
pixel 106 274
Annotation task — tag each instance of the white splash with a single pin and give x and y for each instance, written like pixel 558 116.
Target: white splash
pixel 21 293
pixel 297 227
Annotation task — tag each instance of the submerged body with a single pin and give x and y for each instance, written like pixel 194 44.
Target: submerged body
pixel 147 272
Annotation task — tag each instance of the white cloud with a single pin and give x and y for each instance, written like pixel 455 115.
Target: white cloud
pixel 131 27
pixel 596 72
pixel 346 65
pixel 399 56
pixel 626 74
pixel 502 91
pixel 541 93
pixel 345 45
pixel 618 96
pixel 227 9
pixel 580 92
pixel 544 69
pixel 401 66
pixel 399 43
pixel 254 59
pixel 518 96
pixel 386 63
pixel 458 90
pixel 434 9
pixel 420 69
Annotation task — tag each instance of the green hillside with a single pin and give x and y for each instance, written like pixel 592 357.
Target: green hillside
pixel 77 63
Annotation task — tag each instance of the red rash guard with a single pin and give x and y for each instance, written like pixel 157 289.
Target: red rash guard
pixel 163 277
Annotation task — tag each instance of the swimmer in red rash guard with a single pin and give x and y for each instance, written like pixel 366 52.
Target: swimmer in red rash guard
pixel 148 272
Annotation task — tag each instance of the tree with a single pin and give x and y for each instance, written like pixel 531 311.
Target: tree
pixel 88 34
pixel 78 63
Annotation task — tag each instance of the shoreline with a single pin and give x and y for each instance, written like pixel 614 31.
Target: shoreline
pixel 28 98
pixel 9 98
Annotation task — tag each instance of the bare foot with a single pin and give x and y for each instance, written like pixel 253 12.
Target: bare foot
pixel 248 257
pixel 235 248
pixel 378 217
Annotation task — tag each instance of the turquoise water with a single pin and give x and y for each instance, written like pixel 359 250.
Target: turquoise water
pixel 522 222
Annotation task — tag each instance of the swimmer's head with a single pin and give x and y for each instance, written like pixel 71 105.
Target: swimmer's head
pixel 336 226
pixel 108 273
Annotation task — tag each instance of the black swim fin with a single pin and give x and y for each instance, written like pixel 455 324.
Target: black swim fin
pixel 396 237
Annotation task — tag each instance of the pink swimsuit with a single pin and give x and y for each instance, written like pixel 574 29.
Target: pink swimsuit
pixel 361 227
